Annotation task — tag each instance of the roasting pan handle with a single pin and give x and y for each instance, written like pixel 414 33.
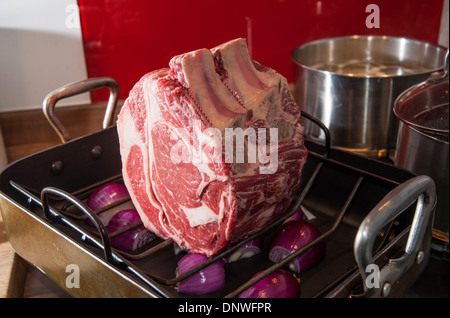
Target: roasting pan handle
pixel 422 189
pixel 77 88
pixel 93 217
pixel 324 128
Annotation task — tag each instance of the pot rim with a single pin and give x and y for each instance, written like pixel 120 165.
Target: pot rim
pixel 422 128
pixel 414 91
pixel 427 135
pixel 365 38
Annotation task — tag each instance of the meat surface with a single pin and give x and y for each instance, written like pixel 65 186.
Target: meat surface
pixel 212 147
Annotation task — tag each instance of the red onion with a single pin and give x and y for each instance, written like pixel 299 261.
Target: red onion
pixel 251 248
pixel 279 284
pixel 208 280
pixel 297 216
pixel 293 236
pixel 105 195
pixel 133 238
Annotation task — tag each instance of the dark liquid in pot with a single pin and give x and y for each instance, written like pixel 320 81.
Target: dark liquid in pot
pixel 435 117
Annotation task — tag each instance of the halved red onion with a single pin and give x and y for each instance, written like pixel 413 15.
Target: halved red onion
pixel 293 236
pixel 208 280
pixel 105 195
pixel 279 284
pixel 133 238
pixel 251 248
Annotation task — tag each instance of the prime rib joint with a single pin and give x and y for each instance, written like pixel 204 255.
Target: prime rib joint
pixel 194 160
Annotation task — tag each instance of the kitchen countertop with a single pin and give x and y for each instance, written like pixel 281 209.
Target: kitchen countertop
pixel 27 132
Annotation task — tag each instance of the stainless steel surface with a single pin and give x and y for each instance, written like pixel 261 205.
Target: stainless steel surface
pixel 423 146
pixel 424 154
pixel 424 106
pixel 357 109
pixel 76 88
pixel 420 188
pixel 445 75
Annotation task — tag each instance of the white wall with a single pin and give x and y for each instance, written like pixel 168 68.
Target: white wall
pixel 40 50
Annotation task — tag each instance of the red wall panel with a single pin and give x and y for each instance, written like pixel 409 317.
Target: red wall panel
pixel 126 39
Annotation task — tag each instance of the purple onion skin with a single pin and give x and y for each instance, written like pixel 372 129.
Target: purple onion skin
pixel 297 216
pixel 293 236
pixel 279 284
pixel 250 249
pixel 103 196
pixel 133 238
pixel 205 281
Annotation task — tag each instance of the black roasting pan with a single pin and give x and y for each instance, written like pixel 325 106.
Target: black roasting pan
pixel 369 212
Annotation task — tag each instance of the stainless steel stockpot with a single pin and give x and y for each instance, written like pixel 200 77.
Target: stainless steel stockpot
pixel 351 82
pixel 423 142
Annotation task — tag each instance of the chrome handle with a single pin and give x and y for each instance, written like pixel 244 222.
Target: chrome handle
pixel 422 189
pixel 94 218
pixel 444 75
pixel 76 88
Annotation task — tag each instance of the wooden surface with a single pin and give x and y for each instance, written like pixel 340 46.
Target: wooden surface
pixel 25 133
pixel 13 270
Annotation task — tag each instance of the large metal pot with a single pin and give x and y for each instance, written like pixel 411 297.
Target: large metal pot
pixel 423 142
pixel 350 84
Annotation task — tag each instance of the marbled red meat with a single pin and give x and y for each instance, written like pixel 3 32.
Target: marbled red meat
pixel 212 147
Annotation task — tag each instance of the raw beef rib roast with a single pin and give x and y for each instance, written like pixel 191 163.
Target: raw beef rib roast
pixel 212 147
